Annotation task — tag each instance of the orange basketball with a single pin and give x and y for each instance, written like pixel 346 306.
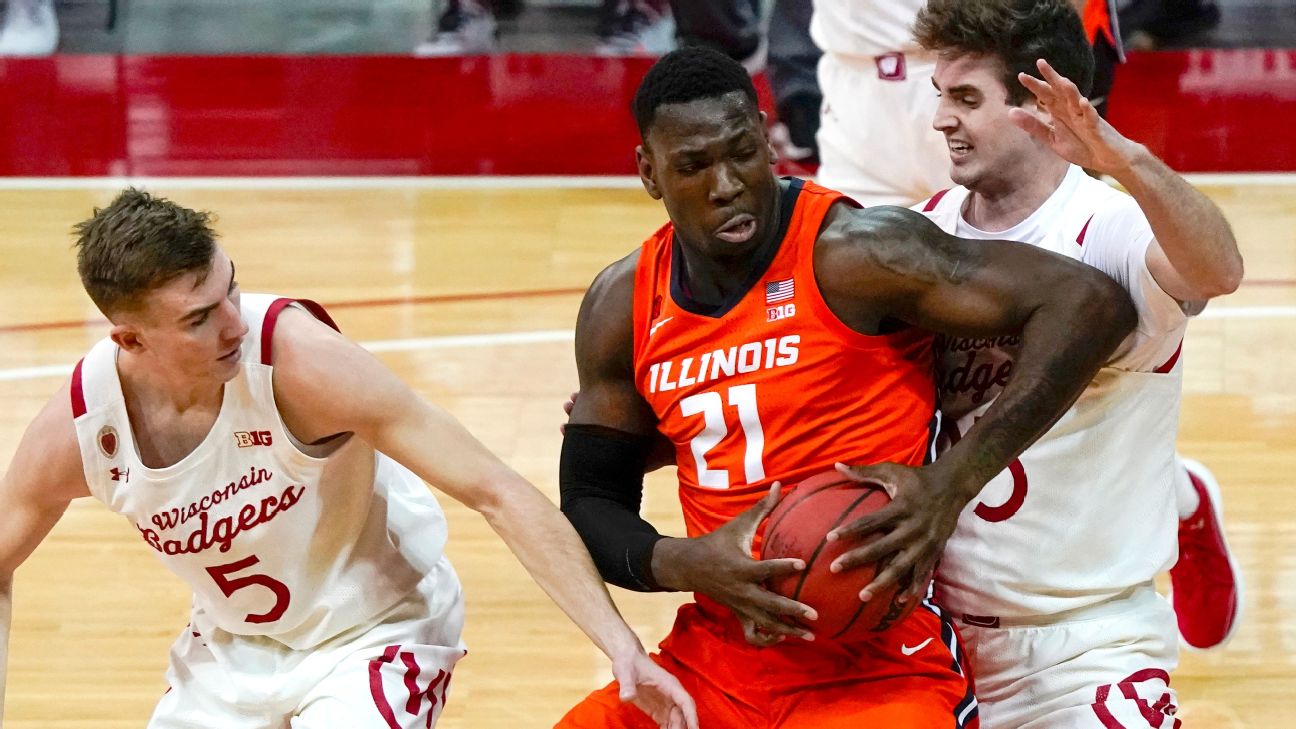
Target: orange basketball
pixel 798 527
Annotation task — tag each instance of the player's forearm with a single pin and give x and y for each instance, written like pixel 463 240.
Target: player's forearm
pixel 1064 343
pixel 1190 228
pixel 550 550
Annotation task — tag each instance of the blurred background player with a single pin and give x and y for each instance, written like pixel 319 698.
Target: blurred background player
pixel 1051 571
pixel 875 138
pixel 821 311
pixel 275 474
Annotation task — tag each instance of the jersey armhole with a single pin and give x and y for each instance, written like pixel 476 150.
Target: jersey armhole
pixel 326 446
pixel 272 317
pixel 935 200
pixel 78 394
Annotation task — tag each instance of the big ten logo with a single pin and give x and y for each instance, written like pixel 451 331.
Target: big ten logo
pixel 783 311
pixel 246 439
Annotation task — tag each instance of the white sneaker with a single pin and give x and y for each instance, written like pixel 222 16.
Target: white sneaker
pixel 30 29
pixel 467 31
pixel 640 33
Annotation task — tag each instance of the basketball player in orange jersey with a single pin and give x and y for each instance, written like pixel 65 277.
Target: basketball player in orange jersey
pixel 271 464
pixel 769 331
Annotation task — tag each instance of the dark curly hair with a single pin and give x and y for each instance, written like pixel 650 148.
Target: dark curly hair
pixel 685 75
pixel 1017 32
pixel 137 243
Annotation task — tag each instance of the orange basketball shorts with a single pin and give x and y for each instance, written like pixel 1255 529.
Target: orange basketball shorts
pixel 911 676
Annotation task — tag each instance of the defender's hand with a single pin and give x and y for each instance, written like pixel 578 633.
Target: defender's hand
pixel 567 408
pixel 1069 125
pixel 719 565
pixel 654 690
pixel 911 530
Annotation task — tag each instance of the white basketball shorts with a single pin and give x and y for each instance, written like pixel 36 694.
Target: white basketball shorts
pixel 393 673
pixel 1102 668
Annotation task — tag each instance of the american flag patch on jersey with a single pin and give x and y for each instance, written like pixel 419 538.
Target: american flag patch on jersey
pixel 776 291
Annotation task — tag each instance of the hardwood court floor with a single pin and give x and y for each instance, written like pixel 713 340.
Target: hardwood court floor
pixel 404 269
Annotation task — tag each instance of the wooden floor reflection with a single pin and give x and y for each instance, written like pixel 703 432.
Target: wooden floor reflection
pixel 410 271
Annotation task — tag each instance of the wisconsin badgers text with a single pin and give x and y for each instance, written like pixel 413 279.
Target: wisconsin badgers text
pixel 219 532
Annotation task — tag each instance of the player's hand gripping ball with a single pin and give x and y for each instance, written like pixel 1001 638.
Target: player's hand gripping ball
pixel 798 527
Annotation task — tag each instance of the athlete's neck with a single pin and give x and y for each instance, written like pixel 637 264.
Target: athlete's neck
pixel 154 388
pixel 1003 202
pixel 713 279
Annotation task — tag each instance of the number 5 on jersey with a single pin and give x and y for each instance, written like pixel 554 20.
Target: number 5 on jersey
pixel 221 575
pixel 715 427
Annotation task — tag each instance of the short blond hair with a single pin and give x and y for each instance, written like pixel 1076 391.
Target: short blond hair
pixel 137 243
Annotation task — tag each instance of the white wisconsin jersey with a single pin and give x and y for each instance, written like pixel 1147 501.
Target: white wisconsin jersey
pixel 865 28
pixel 1088 511
pixel 275 538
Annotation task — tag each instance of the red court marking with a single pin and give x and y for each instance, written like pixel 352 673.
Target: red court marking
pixel 358 304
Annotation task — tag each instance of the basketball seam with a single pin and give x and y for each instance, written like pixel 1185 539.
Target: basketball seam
pixel 769 528
pixel 796 594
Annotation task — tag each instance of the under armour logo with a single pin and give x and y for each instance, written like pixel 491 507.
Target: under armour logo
pixel 121 474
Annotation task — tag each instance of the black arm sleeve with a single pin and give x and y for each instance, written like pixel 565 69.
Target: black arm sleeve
pixel 600 478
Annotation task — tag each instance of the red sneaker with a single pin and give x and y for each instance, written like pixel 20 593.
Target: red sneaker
pixel 1206 585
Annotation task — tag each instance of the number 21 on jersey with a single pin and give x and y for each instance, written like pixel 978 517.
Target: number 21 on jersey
pixel 715 427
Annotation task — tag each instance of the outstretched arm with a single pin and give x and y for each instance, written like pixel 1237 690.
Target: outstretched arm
pixel 892 263
pixel 345 389
pixel 1195 256
pixel 42 479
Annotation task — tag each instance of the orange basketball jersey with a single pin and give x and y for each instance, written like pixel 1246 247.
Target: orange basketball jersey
pixel 772 386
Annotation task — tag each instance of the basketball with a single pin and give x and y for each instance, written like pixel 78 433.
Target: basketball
pixel 798 527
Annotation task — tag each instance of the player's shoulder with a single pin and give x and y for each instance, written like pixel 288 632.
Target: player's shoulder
pixel 1098 196
pixel 605 324
pixel 850 228
pixel 301 338
pixel 1106 212
pixel 613 287
pixel 47 465
pixel 860 249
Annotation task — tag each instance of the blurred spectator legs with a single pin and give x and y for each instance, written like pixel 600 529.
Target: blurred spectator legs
pixel 30 28
pixel 635 28
pixel 793 58
pixel 732 27
pixel 1149 24
pixel 465 28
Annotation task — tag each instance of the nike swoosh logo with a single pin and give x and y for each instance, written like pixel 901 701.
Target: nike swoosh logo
pixel 658 324
pixel 910 651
